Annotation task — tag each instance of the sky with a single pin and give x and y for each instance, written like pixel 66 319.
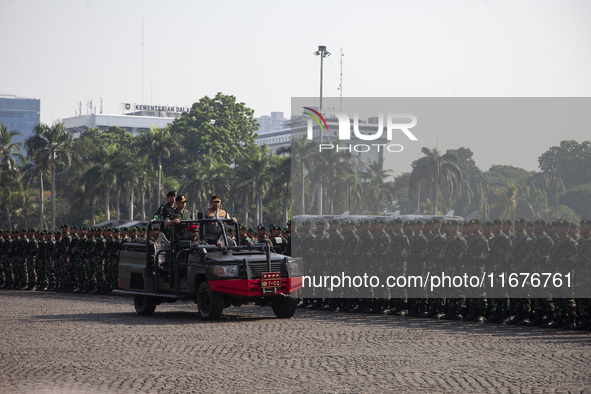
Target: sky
pixel 65 52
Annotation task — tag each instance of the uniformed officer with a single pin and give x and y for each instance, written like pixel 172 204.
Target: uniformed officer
pixel 165 209
pixel 213 231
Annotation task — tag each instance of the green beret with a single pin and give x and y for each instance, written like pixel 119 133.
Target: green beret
pixel 434 221
pixel 334 222
pixel 585 221
pixel 419 222
pixel 307 222
pixel 520 220
pixel 540 221
pixel 562 222
pixel 378 221
pixel 508 221
pixel 289 222
pixel 117 230
pixel 321 223
pixel 453 222
pixel 475 221
pixel 262 227
pixel 496 221
pixel 574 225
pixel 243 227
pixel 364 222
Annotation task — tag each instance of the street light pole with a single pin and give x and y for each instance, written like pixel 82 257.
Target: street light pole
pixel 322 52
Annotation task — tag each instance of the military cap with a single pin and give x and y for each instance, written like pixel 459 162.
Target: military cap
pixel 243 227
pixel 23 230
pixel 171 193
pixel 550 224
pixel 562 222
pixel 530 224
pixel 230 229
pixel 277 228
pixel 133 229
pixel 419 222
pixel 574 225
pixel 307 222
pixel 180 198
pixel 520 220
pixel 540 221
pixel 434 221
pixel 453 222
pixel 585 221
pixel 215 198
pixel 398 221
pixel 488 223
pixel 123 228
pixel 348 223
pixel 289 222
pixel 475 221
pixel 496 221
pixel 116 230
pixel 364 222
pixel 378 221
pixel 262 227
pixel 334 222
pixel 65 225
pixel 193 227
pixel 508 221
pixel 321 223
pixel 252 230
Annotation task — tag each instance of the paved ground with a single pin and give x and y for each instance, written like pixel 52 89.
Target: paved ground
pixel 67 343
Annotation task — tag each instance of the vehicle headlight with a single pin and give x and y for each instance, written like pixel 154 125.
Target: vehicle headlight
pixel 225 270
pixel 295 268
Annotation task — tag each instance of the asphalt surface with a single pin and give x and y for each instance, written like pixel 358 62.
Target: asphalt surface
pixel 75 343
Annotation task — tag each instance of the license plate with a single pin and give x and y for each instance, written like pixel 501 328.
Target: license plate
pixel 271 279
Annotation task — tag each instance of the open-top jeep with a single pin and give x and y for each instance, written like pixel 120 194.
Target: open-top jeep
pixel 170 267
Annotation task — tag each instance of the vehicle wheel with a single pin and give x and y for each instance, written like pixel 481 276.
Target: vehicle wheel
pixel 284 307
pixel 144 305
pixel 209 302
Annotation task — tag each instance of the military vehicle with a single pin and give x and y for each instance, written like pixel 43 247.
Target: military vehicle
pixel 168 267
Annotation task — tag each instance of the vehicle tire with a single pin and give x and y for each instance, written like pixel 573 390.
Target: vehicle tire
pixel 284 307
pixel 209 302
pixel 144 305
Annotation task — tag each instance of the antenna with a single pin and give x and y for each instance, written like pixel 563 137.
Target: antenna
pixel 341 80
pixel 142 45
pixel 101 105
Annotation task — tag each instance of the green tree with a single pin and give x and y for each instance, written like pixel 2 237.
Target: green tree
pixel 253 169
pixel 158 143
pixel 11 156
pixel 507 201
pixel 571 161
pixel 375 184
pixel 215 128
pixel 433 170
pixel 52 147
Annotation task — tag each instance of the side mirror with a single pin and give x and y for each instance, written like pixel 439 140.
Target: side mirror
pixel 202 252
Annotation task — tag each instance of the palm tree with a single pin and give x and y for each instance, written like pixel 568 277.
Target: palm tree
pixel 11 156
pixel 302 152
pixel 253 169
pixel 507 201
pixel 103 173
pixel 160 144
pixel 375 185
pixel 50 147
pixel 433 169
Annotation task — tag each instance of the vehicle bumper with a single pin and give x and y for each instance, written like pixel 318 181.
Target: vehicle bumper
pixel 252 287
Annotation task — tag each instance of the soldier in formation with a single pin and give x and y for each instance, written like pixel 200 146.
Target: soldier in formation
pixel 404 249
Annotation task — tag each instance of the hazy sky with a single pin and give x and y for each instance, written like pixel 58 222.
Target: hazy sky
pixel 64 52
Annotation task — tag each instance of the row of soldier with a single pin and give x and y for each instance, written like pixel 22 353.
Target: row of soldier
pixel 73 259
pixel 414 248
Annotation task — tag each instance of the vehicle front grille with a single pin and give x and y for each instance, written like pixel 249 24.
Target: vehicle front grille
pixel 257 268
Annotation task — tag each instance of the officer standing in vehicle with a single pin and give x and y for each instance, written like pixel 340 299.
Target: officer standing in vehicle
pixel 213 231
